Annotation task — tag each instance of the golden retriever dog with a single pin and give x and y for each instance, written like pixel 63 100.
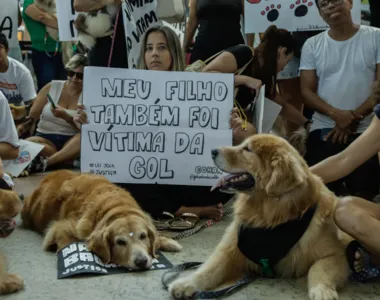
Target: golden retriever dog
pixel 72 207
pixel 282 211
pixel 10 206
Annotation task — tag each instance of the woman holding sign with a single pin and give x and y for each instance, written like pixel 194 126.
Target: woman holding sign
pixel 178 207
pixel 271 56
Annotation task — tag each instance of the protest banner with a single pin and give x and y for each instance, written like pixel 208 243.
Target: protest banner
pixel 295 15
pixel 66 16
pixel 138 17
pixel 28 151
pixel 9 21
pixel 155 127
pixel 76 259
pixel 178 28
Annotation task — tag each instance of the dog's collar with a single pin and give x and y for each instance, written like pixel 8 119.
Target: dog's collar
pixel 266 247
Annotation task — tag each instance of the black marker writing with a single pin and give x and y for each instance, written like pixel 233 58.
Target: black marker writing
pixel 139 115
pixel 196 90
pixel 204 117
pixel 152 168
pixel 183 143
pixel 126 88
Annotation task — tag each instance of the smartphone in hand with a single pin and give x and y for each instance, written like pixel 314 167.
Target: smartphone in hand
pixel 51 101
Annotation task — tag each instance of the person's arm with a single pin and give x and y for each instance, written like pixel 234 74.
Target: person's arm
pixel 357 153
pixel 92 5
pixel 39 103
pixel 27 89
pixel 289 112
pixel 191 26
pixel 8 151
pixel 367 107
pixel 39 15
pixel 19 16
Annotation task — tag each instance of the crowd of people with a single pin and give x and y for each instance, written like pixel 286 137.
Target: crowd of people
pixel 325 82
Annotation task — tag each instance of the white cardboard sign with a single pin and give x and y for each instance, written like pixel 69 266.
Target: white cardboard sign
pixel 294 15
pixel 138 17
pixel 9 21
pixel 66 17
pixel 154 126
pixel 28 151
pixel 266 112
pixel 178 28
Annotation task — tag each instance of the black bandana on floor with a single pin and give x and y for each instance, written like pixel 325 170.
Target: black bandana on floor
pixel 266 247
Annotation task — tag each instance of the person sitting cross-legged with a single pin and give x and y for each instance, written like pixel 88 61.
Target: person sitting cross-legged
pixel 56 129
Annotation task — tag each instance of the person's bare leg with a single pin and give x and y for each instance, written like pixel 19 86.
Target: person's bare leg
pixel 360 219
pixel 213 212
pixel 291 91
pixel 69 152
pixel 49 148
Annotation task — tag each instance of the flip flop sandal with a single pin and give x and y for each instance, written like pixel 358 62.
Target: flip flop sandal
pixel 369 271
pixel 184 222
pixel 164 220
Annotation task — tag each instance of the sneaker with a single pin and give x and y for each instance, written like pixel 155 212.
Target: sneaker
pixel 37 165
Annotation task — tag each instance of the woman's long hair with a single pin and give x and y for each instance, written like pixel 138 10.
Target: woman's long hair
pixel 174 46
pixel 268 49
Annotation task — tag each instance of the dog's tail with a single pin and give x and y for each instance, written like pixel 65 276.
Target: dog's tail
pixel 168 244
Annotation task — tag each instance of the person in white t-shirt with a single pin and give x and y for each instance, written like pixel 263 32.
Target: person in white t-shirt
pixel 338 70
pixel 9 142
pixel 16 81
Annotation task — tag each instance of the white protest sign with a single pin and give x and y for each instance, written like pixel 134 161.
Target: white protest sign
pixel 178 28
pixel 9 21
pixel 266 112
pixel 154 126
pixel 66 15
pixel 295 15
pixel 138 17
pixel 28 151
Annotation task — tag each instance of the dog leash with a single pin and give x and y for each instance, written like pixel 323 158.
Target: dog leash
pixel 176 270
pixel 114 37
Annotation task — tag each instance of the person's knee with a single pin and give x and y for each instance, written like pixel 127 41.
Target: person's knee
pixel 348 216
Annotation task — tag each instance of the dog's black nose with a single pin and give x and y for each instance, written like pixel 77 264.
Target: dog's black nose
pixel 141 262
pixel 214 153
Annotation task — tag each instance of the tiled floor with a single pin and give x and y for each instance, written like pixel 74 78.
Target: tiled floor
pixel 39 270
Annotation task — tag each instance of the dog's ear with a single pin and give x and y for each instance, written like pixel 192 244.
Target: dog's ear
pixel 152 235
pixel 99 243
pixel 287 173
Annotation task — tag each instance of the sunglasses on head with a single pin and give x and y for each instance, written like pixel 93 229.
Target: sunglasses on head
pixel 78 75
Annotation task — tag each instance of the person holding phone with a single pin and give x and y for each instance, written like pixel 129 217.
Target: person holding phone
pixel 54 108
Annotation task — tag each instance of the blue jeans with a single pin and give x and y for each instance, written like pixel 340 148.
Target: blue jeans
pixel 47 67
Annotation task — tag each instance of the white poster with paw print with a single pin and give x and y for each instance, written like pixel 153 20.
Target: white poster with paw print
pixel 292 15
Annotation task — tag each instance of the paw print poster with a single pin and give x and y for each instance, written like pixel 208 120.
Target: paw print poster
pixel 293 15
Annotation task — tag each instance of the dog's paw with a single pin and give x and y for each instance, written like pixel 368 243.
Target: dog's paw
pixel 11 283
pixel 322 292
pixel 183 288
pixel 169 245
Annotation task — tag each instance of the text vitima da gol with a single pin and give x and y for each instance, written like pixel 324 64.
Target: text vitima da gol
pixel 169 111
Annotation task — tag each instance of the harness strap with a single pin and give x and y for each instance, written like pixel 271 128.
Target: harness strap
pixel 176 270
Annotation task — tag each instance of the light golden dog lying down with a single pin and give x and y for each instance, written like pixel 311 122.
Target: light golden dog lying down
pixel 274 187
pixel 10 206
pixel 82 207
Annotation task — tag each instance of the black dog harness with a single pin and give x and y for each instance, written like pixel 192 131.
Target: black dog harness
pixel 267 246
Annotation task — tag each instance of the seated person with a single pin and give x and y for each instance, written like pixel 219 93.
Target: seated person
pixel 16 81
pixel 269 58
pixel 55 129
pixel 9 142
pixel 357 217
pixel 338 69
pixel 162 51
